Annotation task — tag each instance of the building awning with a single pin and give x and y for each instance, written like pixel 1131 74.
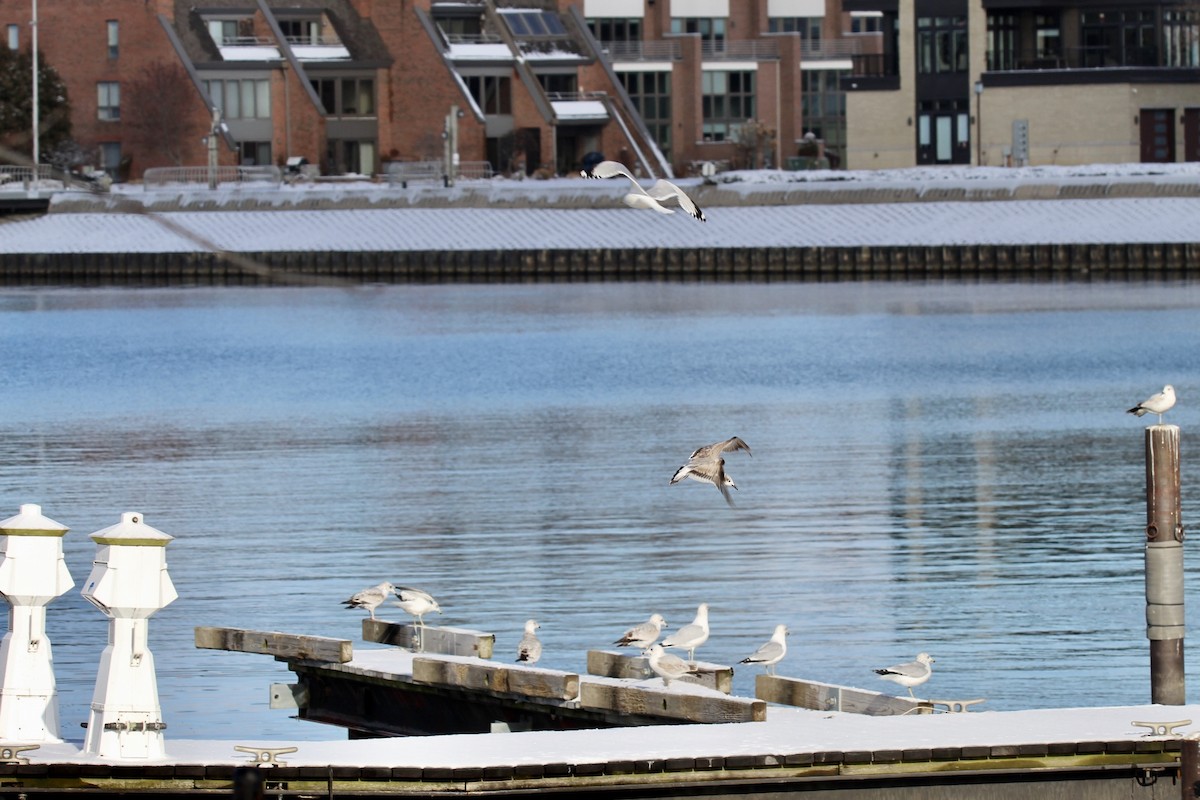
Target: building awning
pixel 579 111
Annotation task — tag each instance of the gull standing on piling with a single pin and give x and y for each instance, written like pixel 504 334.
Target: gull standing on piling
pixel 914 673
pixel 707 466
pixel 1158 404
pixel 644 635
pixel 416 602
pixel 371 598
pixel 667 666
pixel 651 198
pixel 530 649
pixel 772 652
pixel 689 637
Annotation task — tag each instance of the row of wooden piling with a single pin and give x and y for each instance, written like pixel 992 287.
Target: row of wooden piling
pixel 1049 261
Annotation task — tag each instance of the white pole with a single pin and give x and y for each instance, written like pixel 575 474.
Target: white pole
pixel 34 27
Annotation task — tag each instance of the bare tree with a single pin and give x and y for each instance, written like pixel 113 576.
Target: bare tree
pixel 162 113
pixel 755 142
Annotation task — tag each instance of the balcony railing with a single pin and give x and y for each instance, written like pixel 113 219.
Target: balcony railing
pixel 1102 57
pixel 471 38
pixel 658 50
pixel 157 177
pixel 828 49
pixel 739 49
pixel 874 65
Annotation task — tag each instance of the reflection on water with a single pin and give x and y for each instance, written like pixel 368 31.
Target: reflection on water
pixel 936 467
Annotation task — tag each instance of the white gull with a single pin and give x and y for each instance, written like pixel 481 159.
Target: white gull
pixel 772 652
pixel 914 673
pixel 644 635
pixel 691 636
pixel 651 198
pixel 1158 404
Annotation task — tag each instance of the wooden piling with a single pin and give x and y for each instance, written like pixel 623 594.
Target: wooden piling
pixel 1189 768
pixel 1164 566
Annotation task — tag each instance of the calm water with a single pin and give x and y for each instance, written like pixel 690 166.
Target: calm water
pixel 936 467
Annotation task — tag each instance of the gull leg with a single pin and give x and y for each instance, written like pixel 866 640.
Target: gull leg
pixel 910 693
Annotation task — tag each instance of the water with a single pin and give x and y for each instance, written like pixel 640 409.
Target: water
pixel 936 467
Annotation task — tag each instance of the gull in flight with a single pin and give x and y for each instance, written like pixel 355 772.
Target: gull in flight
pixel 371 598
pixel 667 666
pixel 707 466
pixel 689 637
pixel 772 652
pixel 653 197
pixel 1159 404
pixel 530 649
pixel 914 673
pixel 416 602
pixel 644 635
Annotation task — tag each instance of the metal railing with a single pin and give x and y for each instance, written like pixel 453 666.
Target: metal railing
pixel 471 38
pixel 659 50
pixel 163 176
pixel 1102 57
pixel 246 41
pixel 315 41
pixel 827 49
pixel 402 172
pixel 739 49
pixel 11 176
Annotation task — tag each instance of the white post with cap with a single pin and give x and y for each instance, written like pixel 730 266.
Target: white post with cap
pixel 32 573
pixel 129 583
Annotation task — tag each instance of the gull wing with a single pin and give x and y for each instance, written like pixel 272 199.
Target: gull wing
pixel 664 190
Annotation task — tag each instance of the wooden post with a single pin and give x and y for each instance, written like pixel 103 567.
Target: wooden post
pixel 1164 566
pixel 1189 768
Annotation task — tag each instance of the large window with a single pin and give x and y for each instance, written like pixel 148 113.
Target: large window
pixel 228 31
pixel 114 39
pixel 346 97
pixel 108 100
pixel 941 45
pixel 493 93
pixel 711 29
pixel 728 101
pixel 241 99
pixel 1049 39
pixel 651 95
pixel 1002 41
pixel 809 28
pixel 1119 38
pixel 255 153
pixel 563 83
pixel 301 31
pixel 823 108
pixel 110 157
pixel 14 37
pixel 616 29
pixel 1181 38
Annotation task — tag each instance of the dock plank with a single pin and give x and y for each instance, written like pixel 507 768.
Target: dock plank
pixel 651 701
pixel 831 697
pixel 611 664
pixel 274 643
pixel 497 678
pixel 430 639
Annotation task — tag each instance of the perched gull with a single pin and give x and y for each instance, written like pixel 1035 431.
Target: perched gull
pixel 530 649
pixel 707 466
pixel 914 673
pixel 667 666
pixel 689 637
pixel 772 652
pixel 416 602
pixel 646 198
pixel 644 635
pixel 370 599
pixel 1159 404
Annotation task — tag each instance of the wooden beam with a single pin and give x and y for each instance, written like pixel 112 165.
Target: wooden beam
pixel 429 639
pixel 661 702
pixel 274 643
pixel 830 697
pixel 496 678
pixel 610 664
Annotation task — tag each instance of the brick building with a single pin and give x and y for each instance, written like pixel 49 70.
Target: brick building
pixel 352 85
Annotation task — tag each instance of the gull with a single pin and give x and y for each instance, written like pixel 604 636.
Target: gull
pixel 646 198
pixel 689 637
pixel 1159 404
pixel 667 666
pixel 416 602
pixel 707 466
pixel 914 673
pixel 371 598
pixel 644 635
pixel 772 652
pixel 530 649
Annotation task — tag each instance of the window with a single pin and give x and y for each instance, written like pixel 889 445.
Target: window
pixel 228 31
pixel 711 29
pixel 728 100
pixel 108 100
pixel 651 96
pixel 346 97
pixel 941 45
pixel 559 84
pixel 1002 41
pixel 14 37
pixel 1049 37
pixel 866 22
pixel 110 157
pixel 616 29
pixel 809 28
pixel 1181 38
pixel 301 31
pixel 255 153
pixel 1119 38
pixel 493 93
pixel 113 38
pixel 244 99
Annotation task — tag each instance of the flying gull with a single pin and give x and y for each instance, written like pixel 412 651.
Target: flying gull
pixel 371 598
pixel 914 673
pixel 667 666
pixel 689 637
pixel 653 197
pixel 707 466
pixel 1159 404
pixel 416 602
pixel 772 652
pixel 644 635
pixel 530 649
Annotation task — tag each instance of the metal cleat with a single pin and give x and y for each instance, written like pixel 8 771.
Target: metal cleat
pixel 266 756
pixel 956 706
pixel 9 753
pixel 1164 728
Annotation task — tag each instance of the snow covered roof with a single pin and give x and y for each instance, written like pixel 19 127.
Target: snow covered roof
pixel 574 110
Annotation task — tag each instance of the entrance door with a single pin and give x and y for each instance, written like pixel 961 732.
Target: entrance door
pixel 943 133
pixel 1191 134
pixel 1158 135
